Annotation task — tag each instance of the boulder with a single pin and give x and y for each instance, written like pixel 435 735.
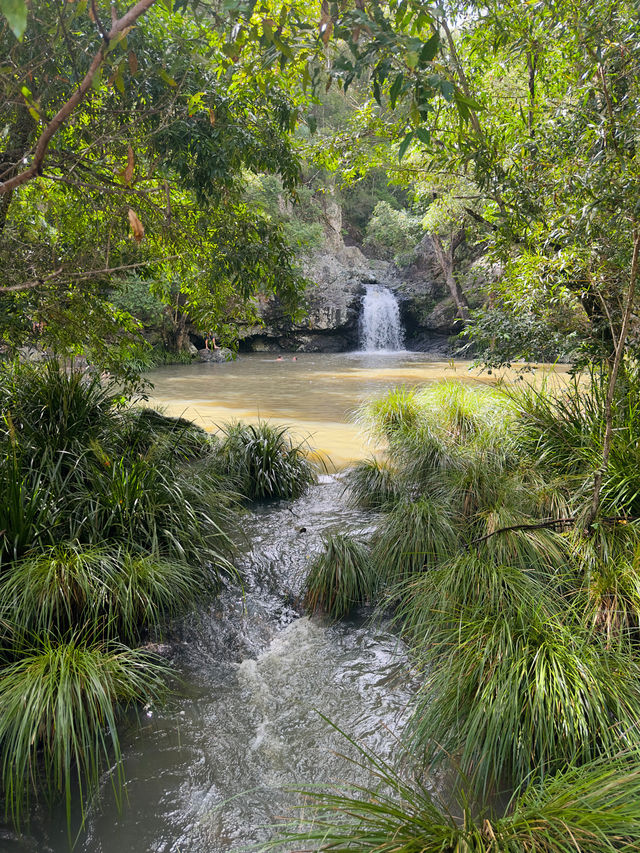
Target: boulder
pixel 215 356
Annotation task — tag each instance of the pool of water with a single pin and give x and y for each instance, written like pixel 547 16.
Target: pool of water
pixel 316 395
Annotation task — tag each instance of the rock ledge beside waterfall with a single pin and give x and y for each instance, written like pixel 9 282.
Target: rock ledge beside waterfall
pixel 338 277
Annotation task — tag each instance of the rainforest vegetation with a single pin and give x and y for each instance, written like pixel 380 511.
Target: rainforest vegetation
pixel 164 168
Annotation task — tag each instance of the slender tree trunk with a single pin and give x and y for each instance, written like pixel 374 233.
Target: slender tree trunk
pixel 181 334
pixel 613 378
pixel 445 261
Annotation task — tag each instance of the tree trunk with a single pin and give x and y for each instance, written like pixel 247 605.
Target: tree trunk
pixel 445 261
pixel 11 157
pixel 182 338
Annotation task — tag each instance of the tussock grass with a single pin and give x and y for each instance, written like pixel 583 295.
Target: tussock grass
pixel 263 462
pixel 374 484
pixel 111 594
pixel 592 809
pixel 397 412
pixel 518 694
pixel 52 408
pixel 414 535
pixel 58 720
pixel 341 578
pixel 436 600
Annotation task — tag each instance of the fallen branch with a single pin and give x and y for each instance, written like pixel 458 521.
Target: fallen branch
pixel 547 523
pixel 40 151
pixel 540 525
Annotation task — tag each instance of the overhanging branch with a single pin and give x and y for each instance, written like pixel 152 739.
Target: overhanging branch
pixel 40 151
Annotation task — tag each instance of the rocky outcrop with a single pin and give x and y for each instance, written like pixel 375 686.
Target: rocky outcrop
pixel 338 276
pixel 215 356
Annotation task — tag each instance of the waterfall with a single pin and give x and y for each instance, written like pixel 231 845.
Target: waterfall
pixel 380 327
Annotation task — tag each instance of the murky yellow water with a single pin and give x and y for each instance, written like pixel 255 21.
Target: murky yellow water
pixel 315 395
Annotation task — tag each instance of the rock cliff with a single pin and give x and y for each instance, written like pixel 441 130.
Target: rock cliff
pixel 338 276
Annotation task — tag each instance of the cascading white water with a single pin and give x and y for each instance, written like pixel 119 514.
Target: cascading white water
pixel 380 327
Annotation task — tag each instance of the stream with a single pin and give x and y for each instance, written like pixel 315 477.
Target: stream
pixel 213 770
pixel 209 772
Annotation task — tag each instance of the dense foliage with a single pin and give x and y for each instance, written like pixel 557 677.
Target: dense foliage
pixel 522 623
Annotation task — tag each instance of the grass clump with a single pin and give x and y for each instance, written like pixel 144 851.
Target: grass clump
pixel 58 718
pixel 115 595
pixel 519 695
pixel 263 462
pixel 373 484
pixel 341 578
pixel 591 809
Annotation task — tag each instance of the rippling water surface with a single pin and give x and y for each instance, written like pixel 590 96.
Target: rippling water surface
pixel 210 772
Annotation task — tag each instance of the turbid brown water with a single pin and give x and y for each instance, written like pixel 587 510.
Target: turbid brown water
pixel 316 395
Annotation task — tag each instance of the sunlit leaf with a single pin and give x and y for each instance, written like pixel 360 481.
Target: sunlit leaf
pixel 15 11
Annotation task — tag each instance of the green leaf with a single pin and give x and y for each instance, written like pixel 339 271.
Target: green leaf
pixel 423 135
pixel 96 80
pixel 467 101
pixel 447 89
pixel 376 92
pixel 168 79
pixel 395 89
pixel 15 11
pixel 405 144
pixel 429 50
